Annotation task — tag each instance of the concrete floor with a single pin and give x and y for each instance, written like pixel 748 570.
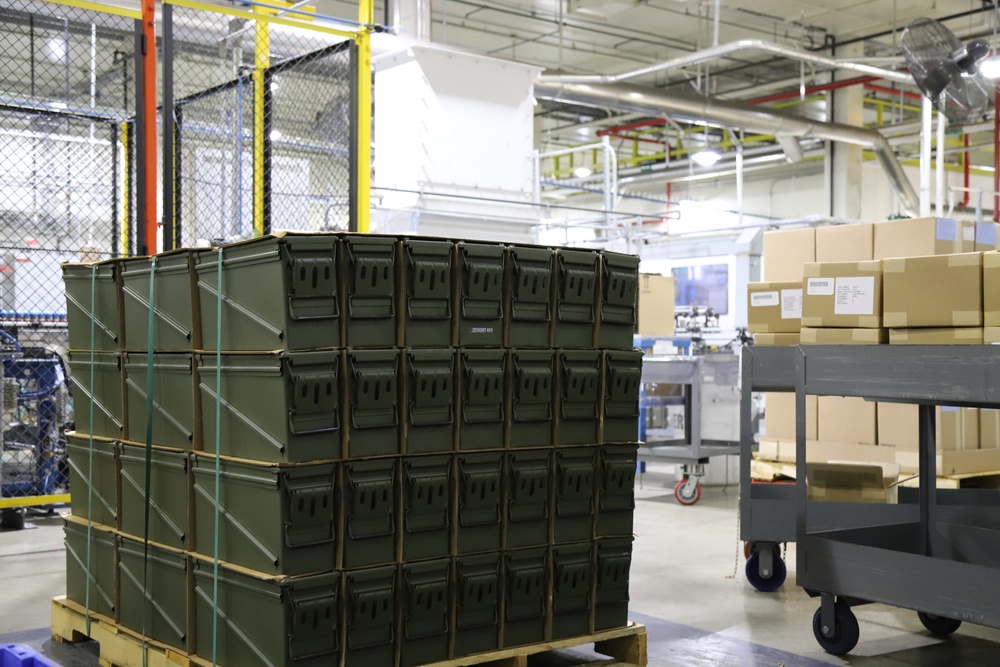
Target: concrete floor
pixel 688 587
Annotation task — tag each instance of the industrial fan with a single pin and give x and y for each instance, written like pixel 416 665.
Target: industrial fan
pixel 946 70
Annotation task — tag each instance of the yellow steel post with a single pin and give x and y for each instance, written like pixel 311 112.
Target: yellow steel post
pixel 262 60
pixel 362 144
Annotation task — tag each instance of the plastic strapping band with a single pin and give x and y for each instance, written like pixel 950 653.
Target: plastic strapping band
pixel 218 444
pixel 90 452
pixel 149 446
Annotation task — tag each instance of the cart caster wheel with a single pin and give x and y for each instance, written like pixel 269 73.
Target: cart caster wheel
pixel 686 492
pixel 13 518
pixel 766 584
pixel 845 632
pixel 939 625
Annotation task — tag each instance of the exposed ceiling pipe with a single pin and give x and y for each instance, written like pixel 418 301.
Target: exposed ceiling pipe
pixel 698 109
pixel 409 18
pixel 728 49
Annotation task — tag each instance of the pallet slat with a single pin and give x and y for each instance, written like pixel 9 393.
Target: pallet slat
pixel 123 648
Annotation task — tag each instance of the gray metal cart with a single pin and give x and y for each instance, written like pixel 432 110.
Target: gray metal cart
pixel 939 555
pixel 712 415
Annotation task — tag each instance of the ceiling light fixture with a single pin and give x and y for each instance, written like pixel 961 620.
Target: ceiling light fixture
pixel 583 172
pixel 706 157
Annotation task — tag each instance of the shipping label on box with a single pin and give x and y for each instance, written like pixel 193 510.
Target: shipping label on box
pixel 917 237
pixel 933 291
pixel 786 251
pixel 813 336
pixel 842 294
pixel 845 243
pixel 774 307
pixel 656 305
pixel 986 236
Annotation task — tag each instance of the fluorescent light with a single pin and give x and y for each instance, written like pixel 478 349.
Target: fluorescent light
pixel 585 131
pixel 706 158
pixel 58 105
pixel 583 172
pixel 990 68
pixel 56 48
pixel 276 135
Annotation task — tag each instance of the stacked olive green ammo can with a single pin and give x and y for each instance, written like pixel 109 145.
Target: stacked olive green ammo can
pixel 426 448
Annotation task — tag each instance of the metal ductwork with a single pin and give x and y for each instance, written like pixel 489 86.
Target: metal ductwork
pixel 409 18
pixel 698 109
pixel 724 50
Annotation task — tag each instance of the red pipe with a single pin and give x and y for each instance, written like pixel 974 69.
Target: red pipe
pixel 835 85
pixel 892 91
pixel 996 155
pixel 650 122
pixel 147 217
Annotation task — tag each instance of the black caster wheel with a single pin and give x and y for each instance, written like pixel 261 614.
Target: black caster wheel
pixel 941 626
pixel 845 633
pixel 766 584
pixel 13 518
pixel 687 494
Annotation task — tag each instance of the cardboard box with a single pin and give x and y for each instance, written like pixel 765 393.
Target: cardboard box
pixel 785 253
pixel 768 449
pixel 953 463
pixel 842 294
pixel 812 336
pixel 937 336
pixel 986 236
pixel 917 237
pixel 848 452
pixel 941 291
pixel 991 335
pixel 956 429
pixel 847 419
pixel 845 243
pixel 991 289
pixel 774 307
pixel 656 305
pixel 779 416
pixel 989 428
pixel 775 339
pixel 898 425
pixel 852 482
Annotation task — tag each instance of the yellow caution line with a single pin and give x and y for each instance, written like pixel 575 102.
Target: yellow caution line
pixel 249 16
pixel 31 501
pixel 98 7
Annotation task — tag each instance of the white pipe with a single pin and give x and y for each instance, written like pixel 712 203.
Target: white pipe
pixel 925 158
pixel 939 164
pixel 729 49
pixel 695 108
pixel 715 27
pixel 574 149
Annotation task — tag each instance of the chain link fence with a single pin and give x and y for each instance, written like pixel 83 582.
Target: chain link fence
pixel 262 118
pixel 67 95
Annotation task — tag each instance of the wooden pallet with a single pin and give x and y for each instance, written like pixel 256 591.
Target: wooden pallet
pixel 120 647
pixel 771 471
pixel 626 646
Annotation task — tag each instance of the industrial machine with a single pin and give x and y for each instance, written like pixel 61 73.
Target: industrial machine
pixel 689 411
pixel 33 395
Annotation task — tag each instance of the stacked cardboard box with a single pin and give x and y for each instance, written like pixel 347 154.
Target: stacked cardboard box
pixel 933 292
pixel 407 450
